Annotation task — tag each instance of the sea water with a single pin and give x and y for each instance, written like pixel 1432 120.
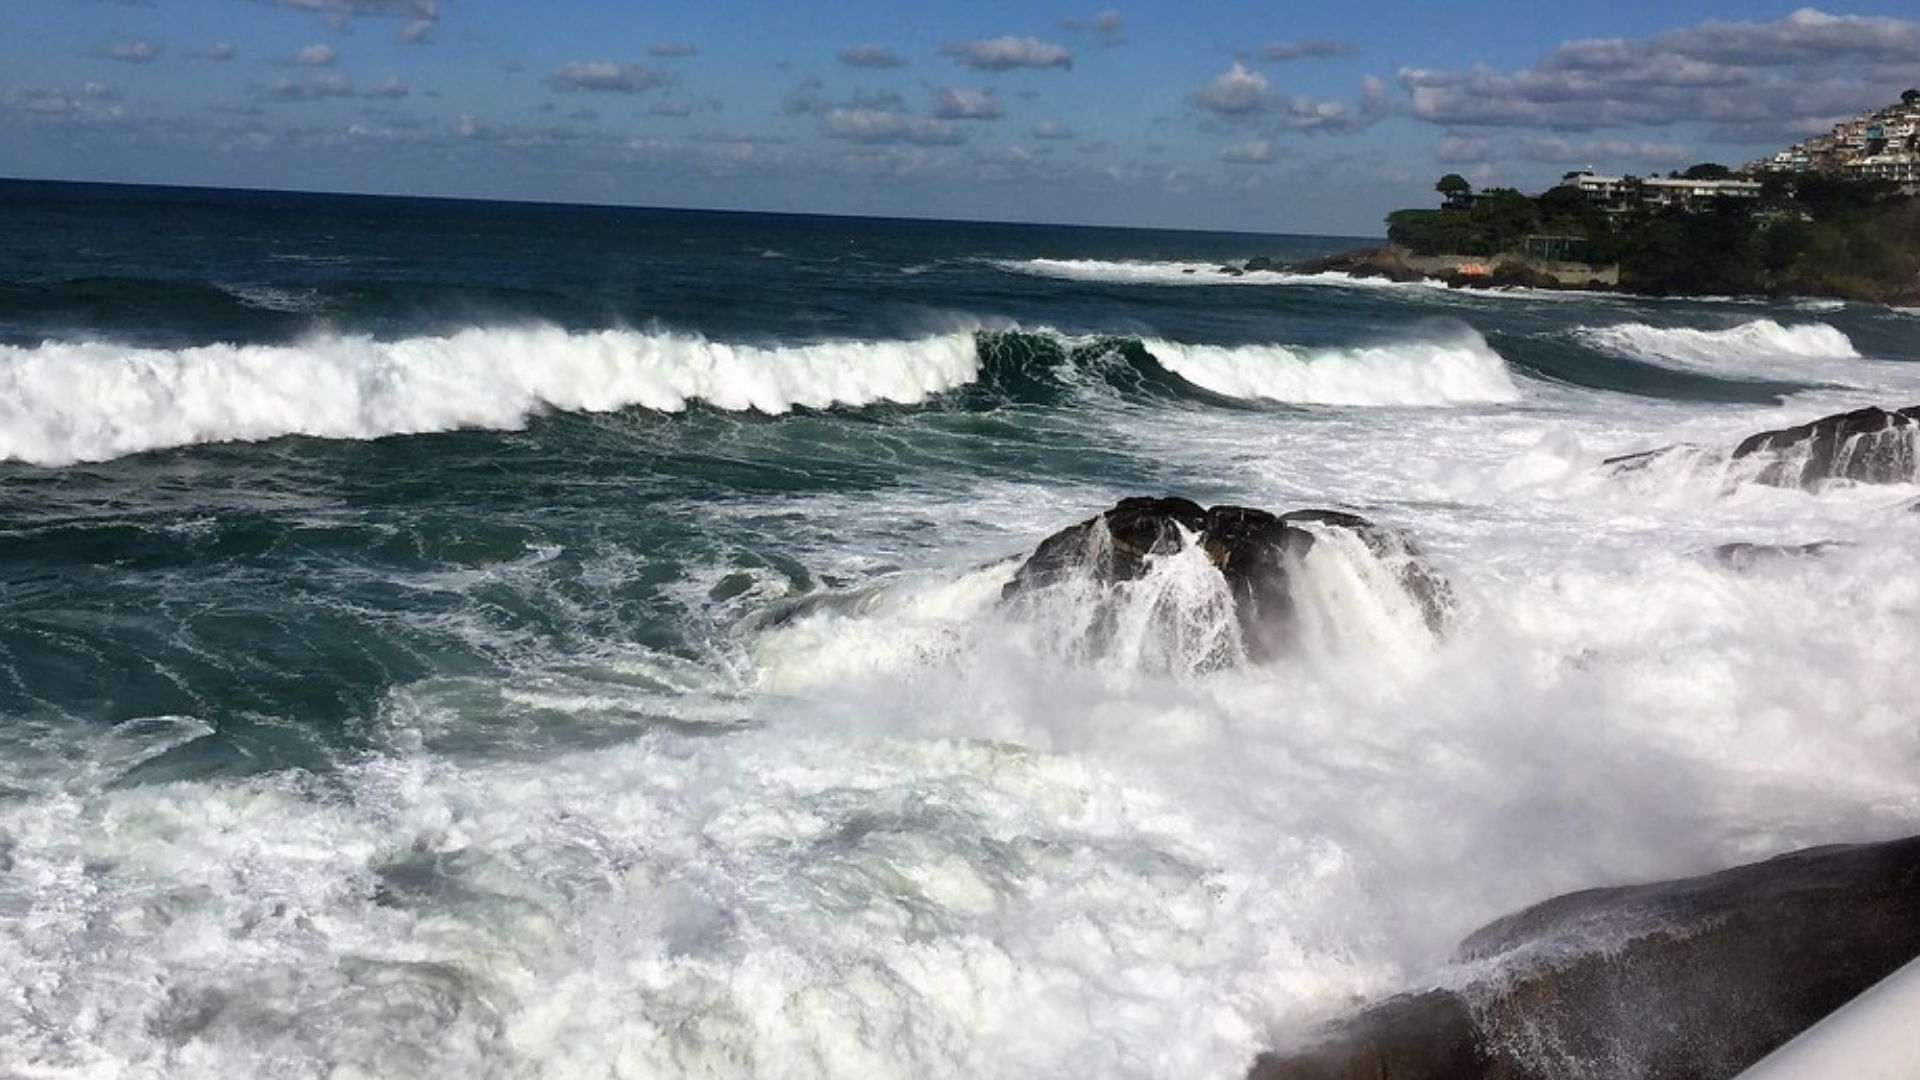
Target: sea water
pixel 519 641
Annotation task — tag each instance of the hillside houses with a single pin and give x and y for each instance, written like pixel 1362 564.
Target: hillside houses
pixel 1880 145
pixel 1619 194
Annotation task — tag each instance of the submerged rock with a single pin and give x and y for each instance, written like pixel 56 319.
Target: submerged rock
pixel 1258 555
pixel 1870 445
pixel 1743 555
pixel 1694 979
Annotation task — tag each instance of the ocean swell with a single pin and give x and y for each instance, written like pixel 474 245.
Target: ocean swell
pixel 64 402
pixel 67 402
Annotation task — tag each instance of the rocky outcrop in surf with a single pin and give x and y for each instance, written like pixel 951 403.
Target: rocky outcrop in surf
pixel 1870 446
pixel 1695 978
pixel 1866 446
pixel 1260 557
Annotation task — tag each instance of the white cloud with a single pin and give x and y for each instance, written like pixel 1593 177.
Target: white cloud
pixel 1785 74
pixel 132 51
pixel 966 103
pixel 883 126
pixel 221 51
pixel 91 102
pixel 1255 152
pixel 1234 92
pixel 672 49
pixel 1558 151
pixel 871 57
pixel 330 85
pixel 417 32
pixel 1050 131
pixel 608 77
pixel 1462 150
pixel 315 56
pixel 1108 29
pixel 1244 95
pixel 1007 53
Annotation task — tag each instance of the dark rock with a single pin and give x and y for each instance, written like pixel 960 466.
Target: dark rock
pixel 1504 275
pixel 1365 263
pixel 1745 556
pixel 1693 979
pixel 1254 550
pixel 1870 445
pixel 1261 262
pixel 1410 1037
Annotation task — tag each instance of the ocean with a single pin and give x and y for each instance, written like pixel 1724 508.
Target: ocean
pixel 460 639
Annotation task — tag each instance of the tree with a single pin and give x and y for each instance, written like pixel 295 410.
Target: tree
pixel 1910 97
pixel 1455 189
pixel 1707 170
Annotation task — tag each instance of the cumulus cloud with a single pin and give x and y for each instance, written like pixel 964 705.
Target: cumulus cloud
pixel 1050 131
pixel 1787 73
pixel 1234 92
pixel 220 52
pixel 1243 95
pixel 885 126
pixel 315 56
pixel 966 103
pixel 672 49
pixel 90 102
pixel 416 32
pixel 872 57
pixel 1255 152
pixel 608 77
pixel 1007 53
pixel 131 51
pixel 329 86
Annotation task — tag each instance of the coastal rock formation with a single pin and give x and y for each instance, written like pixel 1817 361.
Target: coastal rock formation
pixel 1870 445
pixel 1257 553
pixel 1693 979
pixel 1744 555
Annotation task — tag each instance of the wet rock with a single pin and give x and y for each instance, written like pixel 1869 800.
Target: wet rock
pixel 1256 552
pixel 1870 446
pixel 1383 262
pixel 1746 556
pixel 1694 979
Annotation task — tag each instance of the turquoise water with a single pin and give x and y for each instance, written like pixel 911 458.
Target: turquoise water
pixel 389 683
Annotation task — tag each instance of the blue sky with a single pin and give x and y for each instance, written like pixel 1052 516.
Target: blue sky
pixel 1261 116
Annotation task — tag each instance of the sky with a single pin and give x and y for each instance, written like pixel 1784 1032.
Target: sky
pixel 1272 116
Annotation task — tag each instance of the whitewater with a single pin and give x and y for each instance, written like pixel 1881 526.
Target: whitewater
pixel 441 679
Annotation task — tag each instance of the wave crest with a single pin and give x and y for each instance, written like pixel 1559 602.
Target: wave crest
pixel 1459 369
pixel 1762 339
pixel 63 402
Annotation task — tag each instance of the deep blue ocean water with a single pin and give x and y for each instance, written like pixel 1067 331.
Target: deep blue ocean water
pixel 388 679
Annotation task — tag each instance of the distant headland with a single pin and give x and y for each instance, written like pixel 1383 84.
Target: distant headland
pixel 1835 216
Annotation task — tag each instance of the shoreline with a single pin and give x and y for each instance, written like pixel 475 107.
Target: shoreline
pixel 1508 270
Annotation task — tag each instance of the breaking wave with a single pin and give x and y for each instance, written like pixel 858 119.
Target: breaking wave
pixel 1185 273
pixel 65 402
pixel 1736 347
pixel 1460 369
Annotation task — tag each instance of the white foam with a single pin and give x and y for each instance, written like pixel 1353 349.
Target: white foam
pixel 1761 347
pixel 1189 273
pixel 62 402
pixel 1451 369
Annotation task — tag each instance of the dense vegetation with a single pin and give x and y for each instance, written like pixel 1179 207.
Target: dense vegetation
pixel 1807 234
